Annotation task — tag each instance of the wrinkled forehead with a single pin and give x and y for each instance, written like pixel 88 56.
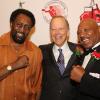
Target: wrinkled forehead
pixel 90 23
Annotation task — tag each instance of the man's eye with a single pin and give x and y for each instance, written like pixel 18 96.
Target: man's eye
pixel 19 25
pixel 28 27
pixel 53 29
pixel 86 30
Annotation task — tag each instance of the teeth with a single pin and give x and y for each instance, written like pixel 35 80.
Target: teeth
pixel 85 40
pixel 58 36
pixel 20 34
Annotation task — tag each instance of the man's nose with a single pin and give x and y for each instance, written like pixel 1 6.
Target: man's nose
pixel 22 29
pixel 82 33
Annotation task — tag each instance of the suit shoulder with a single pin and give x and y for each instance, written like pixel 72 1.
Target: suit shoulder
pixel 45 46
pixel 72 46
pixel 46 50
pixel 71 43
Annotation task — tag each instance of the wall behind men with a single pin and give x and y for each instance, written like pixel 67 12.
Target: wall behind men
pixel 41 34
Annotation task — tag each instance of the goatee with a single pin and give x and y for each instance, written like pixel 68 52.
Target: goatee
pixel 18 37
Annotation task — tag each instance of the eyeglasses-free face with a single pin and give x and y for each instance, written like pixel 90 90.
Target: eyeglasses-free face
pixel 88 34
pixel 59 31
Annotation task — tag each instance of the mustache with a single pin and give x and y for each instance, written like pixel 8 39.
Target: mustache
pixel 20 35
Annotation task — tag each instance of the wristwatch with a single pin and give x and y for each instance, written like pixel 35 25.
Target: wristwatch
pixel 9 67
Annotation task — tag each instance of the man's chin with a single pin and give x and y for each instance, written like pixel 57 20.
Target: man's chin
pixel 19 41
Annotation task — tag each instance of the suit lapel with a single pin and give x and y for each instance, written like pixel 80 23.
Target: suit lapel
pixel 69 65
pixel 71 60
pixel 52 58
pixel 91 63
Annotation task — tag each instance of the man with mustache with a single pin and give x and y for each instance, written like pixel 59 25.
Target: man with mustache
pixel 87 75
pixel 20 60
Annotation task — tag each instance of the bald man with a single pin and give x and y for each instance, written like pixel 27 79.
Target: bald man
pixel 87 75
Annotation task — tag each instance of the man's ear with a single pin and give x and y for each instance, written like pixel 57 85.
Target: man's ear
pixel 68 33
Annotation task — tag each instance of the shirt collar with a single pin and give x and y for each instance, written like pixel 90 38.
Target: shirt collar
pixel 64 47
pixel 96 45
pixel 5 40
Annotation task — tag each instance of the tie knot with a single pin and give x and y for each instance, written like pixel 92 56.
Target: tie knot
pixel 60 50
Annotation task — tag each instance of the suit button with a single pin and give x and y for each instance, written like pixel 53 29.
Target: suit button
pixel 60 91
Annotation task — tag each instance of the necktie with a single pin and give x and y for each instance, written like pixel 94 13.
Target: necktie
pixel 60 61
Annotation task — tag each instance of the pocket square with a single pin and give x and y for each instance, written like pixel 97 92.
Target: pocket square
pixel 96 75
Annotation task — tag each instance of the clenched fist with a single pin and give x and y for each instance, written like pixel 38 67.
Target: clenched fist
pixel 77 73
pixel 21 62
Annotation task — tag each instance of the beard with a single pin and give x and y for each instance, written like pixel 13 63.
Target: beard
pixel 18 37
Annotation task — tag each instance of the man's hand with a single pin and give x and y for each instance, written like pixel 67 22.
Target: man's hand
pixel 77 73
pixel 21 62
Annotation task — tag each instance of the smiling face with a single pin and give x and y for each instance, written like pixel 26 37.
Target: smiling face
pixel 20 28
pixel 59 30
pixel 88 34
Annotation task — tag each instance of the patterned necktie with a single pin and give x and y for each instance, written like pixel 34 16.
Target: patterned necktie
pixel 60 61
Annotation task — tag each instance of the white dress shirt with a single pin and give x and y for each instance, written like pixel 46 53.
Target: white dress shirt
pixel 65 50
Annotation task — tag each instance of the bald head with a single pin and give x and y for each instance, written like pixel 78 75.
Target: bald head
pixel 88 33
pixel 60 17
pixel 90 22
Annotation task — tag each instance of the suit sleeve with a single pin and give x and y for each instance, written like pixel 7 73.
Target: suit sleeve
pixel 90 85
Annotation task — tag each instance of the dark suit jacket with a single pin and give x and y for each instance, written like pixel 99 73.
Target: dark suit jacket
pixel 90 86
pixel 56 86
